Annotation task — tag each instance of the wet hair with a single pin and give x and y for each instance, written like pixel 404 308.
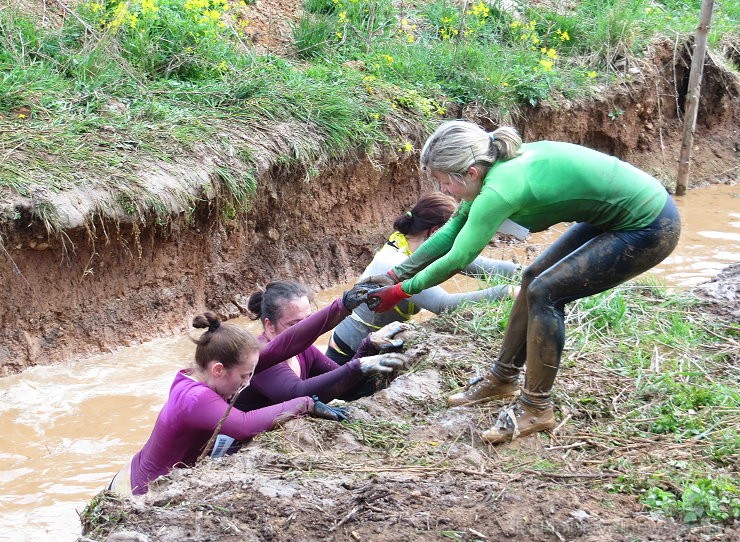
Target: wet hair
pixel 431 210
pixel 221 342
pixel 269 303
pixel 458 144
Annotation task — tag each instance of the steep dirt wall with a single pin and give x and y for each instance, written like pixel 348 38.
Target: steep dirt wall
pixel 67 297
pixel 642 119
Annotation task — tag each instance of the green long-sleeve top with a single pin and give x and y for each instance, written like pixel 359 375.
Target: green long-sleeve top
pixel 548 183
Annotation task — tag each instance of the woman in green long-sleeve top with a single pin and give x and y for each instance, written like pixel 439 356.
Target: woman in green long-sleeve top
pixel 625 224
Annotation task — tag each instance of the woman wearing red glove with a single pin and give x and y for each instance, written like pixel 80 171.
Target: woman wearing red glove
pixel 625 223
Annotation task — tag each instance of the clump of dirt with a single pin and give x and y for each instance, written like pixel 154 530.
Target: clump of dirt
pixel 721 295
pixel 408 468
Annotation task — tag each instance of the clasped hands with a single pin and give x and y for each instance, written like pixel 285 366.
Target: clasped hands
pixel 380 292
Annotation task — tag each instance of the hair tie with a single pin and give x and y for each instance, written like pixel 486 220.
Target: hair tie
pixel 213 326
pixel 409 214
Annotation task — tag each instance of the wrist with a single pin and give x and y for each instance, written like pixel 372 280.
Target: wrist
pixel 393 276
pixel 399 291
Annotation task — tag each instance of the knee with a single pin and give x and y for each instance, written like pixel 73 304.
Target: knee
pixel 529 274
pixel 537 292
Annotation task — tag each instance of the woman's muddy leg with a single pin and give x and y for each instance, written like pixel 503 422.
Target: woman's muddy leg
pixel 604 262
pixel 513 353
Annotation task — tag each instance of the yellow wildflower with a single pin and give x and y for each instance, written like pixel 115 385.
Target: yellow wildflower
pixel 546 64
pixel 591 74
pixel 149 6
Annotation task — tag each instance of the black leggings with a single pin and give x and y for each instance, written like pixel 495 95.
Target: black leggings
pixel 584 261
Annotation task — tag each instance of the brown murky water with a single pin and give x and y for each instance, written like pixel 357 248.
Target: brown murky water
pixel 67 429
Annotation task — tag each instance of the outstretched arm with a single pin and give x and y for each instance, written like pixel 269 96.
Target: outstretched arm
pixel 483 267
pixel 209 408
pixel 299 337
pixel 436 299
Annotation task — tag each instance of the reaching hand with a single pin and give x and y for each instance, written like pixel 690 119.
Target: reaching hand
pixel 326 412
pixel 383 338
pixel 382 363
pixel 356 296
pixel 387 279
pixel 386 298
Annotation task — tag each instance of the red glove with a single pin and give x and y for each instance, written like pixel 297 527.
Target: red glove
pixel 384 299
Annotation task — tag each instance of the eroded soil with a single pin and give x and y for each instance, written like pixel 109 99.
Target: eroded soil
pixel 108 285
pixel 415 470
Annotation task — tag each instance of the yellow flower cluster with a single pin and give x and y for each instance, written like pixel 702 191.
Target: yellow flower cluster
pixel 447 31
pixel 409 30
pixel 480 10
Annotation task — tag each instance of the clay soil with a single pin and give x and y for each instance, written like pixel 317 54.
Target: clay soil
pixel 409 468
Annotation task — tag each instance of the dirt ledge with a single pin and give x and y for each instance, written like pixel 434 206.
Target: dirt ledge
pixel 67 296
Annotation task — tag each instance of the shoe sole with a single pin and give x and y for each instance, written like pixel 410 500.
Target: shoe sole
pixel 514 393
pixel 495 437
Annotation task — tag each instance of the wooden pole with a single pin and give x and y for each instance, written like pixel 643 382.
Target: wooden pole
pixel 692 95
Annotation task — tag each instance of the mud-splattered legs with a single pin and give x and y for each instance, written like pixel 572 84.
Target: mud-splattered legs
pixel 513 351
pixel 583 262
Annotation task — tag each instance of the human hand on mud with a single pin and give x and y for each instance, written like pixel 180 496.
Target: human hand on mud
pixel 384 340
pixel 326 412
pixel 383 363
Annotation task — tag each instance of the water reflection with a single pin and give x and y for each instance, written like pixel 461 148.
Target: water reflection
pixel 68 428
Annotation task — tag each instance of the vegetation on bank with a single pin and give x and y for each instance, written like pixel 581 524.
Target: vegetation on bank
pixel 125 84
pixel 648 387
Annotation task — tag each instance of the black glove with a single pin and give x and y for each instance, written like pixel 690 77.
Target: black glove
pixel 356 296
pixel 324 411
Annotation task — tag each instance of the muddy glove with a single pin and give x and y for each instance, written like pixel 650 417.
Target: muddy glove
pixel 387 279
pixel 382 363
pixel 356 296
pixel 386 298
pixel 326 412
pixel 383 338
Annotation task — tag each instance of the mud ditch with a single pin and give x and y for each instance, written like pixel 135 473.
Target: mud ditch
pixel 411 469
pixel 67 296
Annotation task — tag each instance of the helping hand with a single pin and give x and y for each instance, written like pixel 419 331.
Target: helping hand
pixel 356 296
pixel 383 363
pixel 383 338
pixel 326 412
pixel 386 279
pixel 386 298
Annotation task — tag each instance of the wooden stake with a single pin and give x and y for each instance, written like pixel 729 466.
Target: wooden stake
pixel 692 95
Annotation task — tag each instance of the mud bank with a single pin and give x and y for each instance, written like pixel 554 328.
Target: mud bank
pixel 104 283
pixel 409 468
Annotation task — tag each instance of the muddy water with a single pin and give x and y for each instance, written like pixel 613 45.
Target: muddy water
pixel 67 429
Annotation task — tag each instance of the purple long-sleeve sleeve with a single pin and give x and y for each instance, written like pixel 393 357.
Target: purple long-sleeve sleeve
pixel 187 422
pixel 299 337
pixel 319 376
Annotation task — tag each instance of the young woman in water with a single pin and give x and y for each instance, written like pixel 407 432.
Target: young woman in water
pixel 284 307
pixel 411 229
pixel 226 358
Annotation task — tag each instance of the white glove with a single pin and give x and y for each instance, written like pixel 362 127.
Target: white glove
pixel 383 338
pixel 382 363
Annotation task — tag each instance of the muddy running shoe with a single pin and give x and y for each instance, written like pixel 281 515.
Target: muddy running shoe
pixel 519 420
pixel 483 389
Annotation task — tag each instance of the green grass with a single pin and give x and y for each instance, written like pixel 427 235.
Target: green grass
pixel 646 369
pixel 120 87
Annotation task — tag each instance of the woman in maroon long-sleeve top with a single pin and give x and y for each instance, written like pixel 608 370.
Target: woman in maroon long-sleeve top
pixel 281 306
